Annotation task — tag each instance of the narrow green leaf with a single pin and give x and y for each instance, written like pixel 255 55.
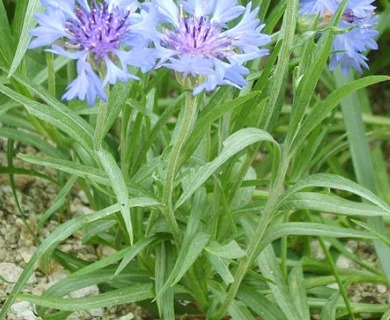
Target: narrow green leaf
pixel 212 112
pixel 163 266
pixel 329 203
pixel 118 184
pixel 187 256
pixel 80 170
pixel 24 37
pixel 337 182
pixel 132 294
pixel 232 145
pixel 133 252
pixel 6 44
pixel 270 269
pixel 264 307
pixel 310 229
pixel 33 140
pixel 238 310
pixel 58 202
pixel 323 109
pixel 221 266
pixel 231 250
pixel 57 115
pixel 386 315
pixel 329 310
pixel 298 291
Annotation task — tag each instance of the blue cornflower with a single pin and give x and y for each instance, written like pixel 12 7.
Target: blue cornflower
pixel 195 41
pixel 105 38
pixel 358 21
pixel 318 7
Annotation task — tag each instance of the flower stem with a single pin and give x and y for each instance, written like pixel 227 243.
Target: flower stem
pixel 277 189
pixel 184 128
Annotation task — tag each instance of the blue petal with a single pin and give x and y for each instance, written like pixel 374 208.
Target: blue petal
pixel 87 85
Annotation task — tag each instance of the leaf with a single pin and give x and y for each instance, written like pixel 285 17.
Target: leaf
pixel 231 250
pixel 331 204
pixel 133 252
pixel 262 306
pixel 118 184
pixel 231 146
pixel 329 310
pixel 323 109
pixel 33 140
pixel 6 45
pixel 24 37
pixel 221 266
pixel 58 202
pixel 132 294
pixel 310 229
pixel 57 115
pixel 297 290
pixel 270 269
pixel 163 266
pixel 213 111
pixel 337 182
pixel 187 256
pixel 80 170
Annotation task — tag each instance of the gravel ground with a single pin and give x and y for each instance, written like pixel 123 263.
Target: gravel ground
pixel 17 245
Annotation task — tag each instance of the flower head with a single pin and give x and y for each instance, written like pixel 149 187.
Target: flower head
pixel 358 21
pixel 196 41
pixel 105 38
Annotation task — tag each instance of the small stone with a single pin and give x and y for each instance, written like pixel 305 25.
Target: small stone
pixel 352 245
pixel 85 292
pixel 343 262
pixel 57 275
pixel 83 197
pixel 11 273
pixel 128 316
pixel 27 252
pixel 381 288
pixel 22 311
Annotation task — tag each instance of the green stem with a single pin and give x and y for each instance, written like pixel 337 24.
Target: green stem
pixel 99 131
pixel 184 128
pixel 277 189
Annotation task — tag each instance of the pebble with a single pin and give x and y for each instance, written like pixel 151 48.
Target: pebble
pixel 27 252
pixel 381 288
pixel 11 273
pixel 22 311
pixel 85 292
pixel 128 316
pixel 343 262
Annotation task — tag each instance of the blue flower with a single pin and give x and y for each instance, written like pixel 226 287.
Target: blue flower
pixel 348 46
pixel 195 40
pixel 358 21
pixel 318 7
pixel 105 39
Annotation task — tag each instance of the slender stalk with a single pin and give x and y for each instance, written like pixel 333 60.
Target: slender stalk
pixel 184 128
pixel 277 188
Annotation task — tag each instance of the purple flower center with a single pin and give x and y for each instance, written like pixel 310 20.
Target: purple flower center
pixel 198 36
pixel 349 16
pixel 99 30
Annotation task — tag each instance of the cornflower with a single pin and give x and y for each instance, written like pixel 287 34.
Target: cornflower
pixel 105 38
pixel 196 42
pixel 357 21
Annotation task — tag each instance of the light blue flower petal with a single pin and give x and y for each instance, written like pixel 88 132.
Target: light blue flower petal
pixel 226 11
pixel 169 11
